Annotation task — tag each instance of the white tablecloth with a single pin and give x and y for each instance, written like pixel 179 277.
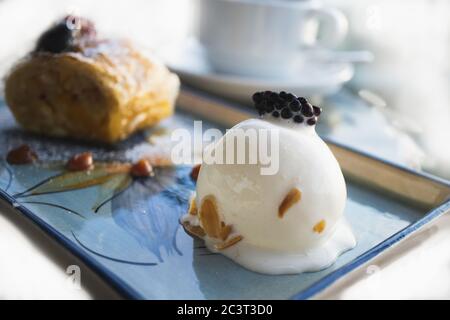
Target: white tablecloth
pixel 33 266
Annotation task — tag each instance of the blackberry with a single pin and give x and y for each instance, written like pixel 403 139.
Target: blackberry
pixel 287 106
pixel 290 97
pixel 286 113
pixel 298 118
pixel 317 110
pixel 295 105
pixel 307 110
pixel 311 121
pixel 257 97
pixel 279 106
pixel 57 39
pixel 269 107
pixel 302 100
pixel 260 105
pixel 284 104
pixel 273 97
pixel 63 35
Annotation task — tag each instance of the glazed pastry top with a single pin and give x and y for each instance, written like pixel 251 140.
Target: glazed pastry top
pixel 81 85
pixel 133 70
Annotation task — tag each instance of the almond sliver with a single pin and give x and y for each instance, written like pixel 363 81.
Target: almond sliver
pixel 193 207
pixel 319 226
pixel 209 217
pixel 229 243
pixel 194 230
pixel 225 232
pixel 291 198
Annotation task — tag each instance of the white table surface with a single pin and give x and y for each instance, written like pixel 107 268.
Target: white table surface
pixel 33 266
pixel 417 268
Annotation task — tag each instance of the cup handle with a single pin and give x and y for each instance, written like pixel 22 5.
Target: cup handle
pixel 333 26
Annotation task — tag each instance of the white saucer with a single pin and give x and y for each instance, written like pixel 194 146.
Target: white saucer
pixel 312 78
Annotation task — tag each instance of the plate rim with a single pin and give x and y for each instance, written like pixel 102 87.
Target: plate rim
pixel 384 245
pixel 128 292
pixel 110 278
pixel 378 249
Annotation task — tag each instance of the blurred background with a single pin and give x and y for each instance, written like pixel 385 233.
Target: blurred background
pixel 397 105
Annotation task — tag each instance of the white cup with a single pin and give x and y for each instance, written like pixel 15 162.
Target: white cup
pixel 265 37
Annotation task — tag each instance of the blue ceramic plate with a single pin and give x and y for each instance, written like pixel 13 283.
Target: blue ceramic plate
pixel 127 229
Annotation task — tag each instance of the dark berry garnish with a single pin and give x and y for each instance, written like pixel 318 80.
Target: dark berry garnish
pixel 298 118
pixel 273 97
pixel 290 97
pixel 286 113
pixel 65 34
pixel 295 105
pixel 56 39
pixel 307 110
pixel 317 110
pixel 278 102
pixel 257 97
pixel 260 106
pixel 312 121
pixel 269 107
pixel 287 106
pixel 302 100
pixel 282 104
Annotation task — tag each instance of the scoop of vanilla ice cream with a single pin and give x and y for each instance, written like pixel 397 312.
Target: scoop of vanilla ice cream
pixel 250 201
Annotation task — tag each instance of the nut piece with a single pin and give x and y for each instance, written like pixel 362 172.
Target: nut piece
pixel 291 198
pixel 319 226
pixel 209 217
pixel 195 171
pixel 142 168
pixel 192 207
pixel 226 231
pixel 21 155
pixel 229 243
pixel 194 230
pixel 211 224
pixel 81 162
